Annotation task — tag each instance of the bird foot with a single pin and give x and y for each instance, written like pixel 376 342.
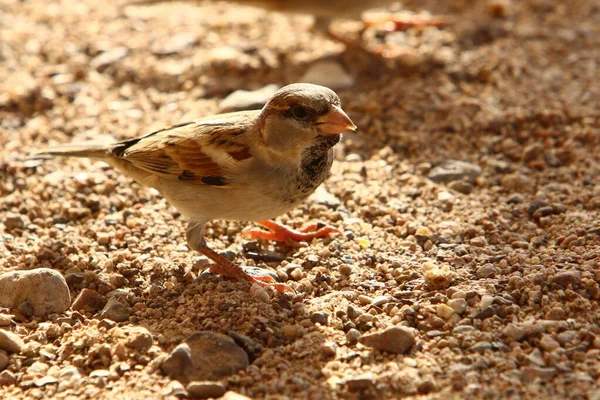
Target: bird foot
pixel 225 267
pixel 281 233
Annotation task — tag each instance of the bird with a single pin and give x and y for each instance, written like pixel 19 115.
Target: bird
pixel 246 165
pixel 325 11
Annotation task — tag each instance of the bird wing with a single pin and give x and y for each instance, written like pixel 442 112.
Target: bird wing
pixel 204 151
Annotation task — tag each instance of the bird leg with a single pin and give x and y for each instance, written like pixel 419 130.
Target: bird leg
pixel 281 233
pixel 195 238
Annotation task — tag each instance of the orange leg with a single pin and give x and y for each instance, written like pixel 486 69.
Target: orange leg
pixel 281 233
pixel 225 267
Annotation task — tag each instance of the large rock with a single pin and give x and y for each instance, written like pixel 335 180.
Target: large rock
pixel 45 289
pixel 205 356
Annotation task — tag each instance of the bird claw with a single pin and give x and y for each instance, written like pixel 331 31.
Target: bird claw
pixel 281 233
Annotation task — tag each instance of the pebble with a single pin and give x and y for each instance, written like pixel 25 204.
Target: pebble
pixel 329 349
pixel 291 331
pixel 397 339
pixel 139 339
pixel 88 299
pixel 454 170
pixel 444 311
pixel 323 197
pixel 486 271
pixel 3 361
pixel 320 317
pixel 459 305
pixel 5 319
pixel 109 57
pixel 513 332
pixel 360 383
pixel 115 310
pixel 10 342
pixel 548 343
pixel 528 374
pixel 205 389
pixel 517 182
pixel 567 278
pixel 353 336
pixel 234 396
pixel 481 347
pixel 248 100
pixel 7 378
pixel 44 288
pixel 13 221
pixel 205 356
pixel 328 73
pixel 174 44
pixel 364 300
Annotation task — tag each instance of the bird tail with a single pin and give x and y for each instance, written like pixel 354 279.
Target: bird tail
pixel 95 151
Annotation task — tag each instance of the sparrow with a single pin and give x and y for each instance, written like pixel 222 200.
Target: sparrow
pixel 325 11
pixel 246 165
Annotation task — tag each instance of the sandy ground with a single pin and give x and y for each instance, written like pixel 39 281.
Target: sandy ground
pixel 495 271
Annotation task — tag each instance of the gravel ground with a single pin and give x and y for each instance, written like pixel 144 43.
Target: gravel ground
pixel 469 203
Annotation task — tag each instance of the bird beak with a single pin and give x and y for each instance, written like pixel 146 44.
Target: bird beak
pixel 335 122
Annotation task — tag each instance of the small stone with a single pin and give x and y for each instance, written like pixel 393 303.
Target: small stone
pixel 454 170
pixel 517 182
pixel 7 378
pixel 230 395
pixel 248 100
pixel 297 274
pixel 109 57
pixel 44 288
pixel 175 44
pixel 438 276
pixel 513 332
pixel 115 310
pixel 444 311
pixel 320 317
pixel 533 152
pixel 329 349
pixel 486 271
pixel 10 342
pixel 259 293
pixel 459 305
pixel 353 312
pixel 352 336
pixel 3 361
pixel 5 319
pixel 481 347
pixel 528 374
pixel 90 300
pixel 360 383
pixel 291 331
pixel 205 356
pixel 548 343
pixel 397 339
pixel 139 339
pixel 323 197
pixel 328 73
pixel 461 187
pixel 364 300
pixel 46 380
pixel 205 389
pixel 14 221
pixel 567 278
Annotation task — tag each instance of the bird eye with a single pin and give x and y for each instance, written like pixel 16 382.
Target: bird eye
pixel 300 112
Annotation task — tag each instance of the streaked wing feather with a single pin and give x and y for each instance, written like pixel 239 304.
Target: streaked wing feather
pixel 208 147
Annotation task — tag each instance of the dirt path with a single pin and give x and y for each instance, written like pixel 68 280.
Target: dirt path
pixel 492 263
